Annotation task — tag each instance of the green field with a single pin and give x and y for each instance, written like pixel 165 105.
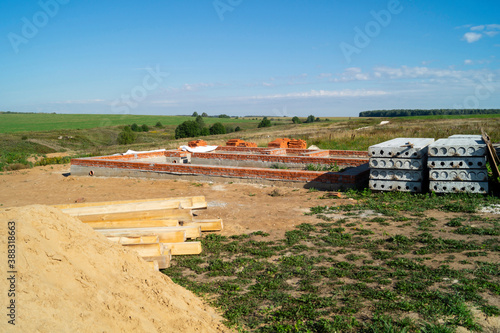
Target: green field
pixel 39 122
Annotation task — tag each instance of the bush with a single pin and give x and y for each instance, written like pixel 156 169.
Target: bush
pixel 310 119
pixel 205 131
pixel 296 120
pixel 25 137
pixel 224 116
pixel 237 129
pixel 159 125
pixel 195 114
pixel 135 128
pixel 201 123
pixel 145 128
pixel 126 136
pixel 229 129
pixel 217 128
pixel 265 123
pixel 187 129
pixel 204 114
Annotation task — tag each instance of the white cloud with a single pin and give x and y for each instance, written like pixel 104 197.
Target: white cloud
pixel 352 74
pixel 325 93
pixel 472 37
pixel 479 31
pixel 468 62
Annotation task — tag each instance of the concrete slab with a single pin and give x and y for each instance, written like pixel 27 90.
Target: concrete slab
pixel 401 148
pixel 456 147
pixel 397 163
pixel 466 136
pixel 459 175
pixel 459 187
pixel 456 162
pixel 387 185
pixel 397 175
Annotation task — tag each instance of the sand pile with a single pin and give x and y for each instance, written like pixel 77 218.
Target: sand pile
pixel 70 279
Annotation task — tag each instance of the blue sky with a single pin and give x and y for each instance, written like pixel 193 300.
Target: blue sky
pixel 248 57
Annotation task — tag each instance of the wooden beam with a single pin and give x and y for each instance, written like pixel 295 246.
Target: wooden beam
pixel 196 202
pixel 206 225
pixel 146 239
pixel 191 232
pixel 147 250
pixel 163 261
pixel 128 207
pixel 185 248
pixel 133 224
pixel 161 214
pixel 154 265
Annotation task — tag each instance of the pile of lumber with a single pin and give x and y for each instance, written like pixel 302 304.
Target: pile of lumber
pixel 155 228
pixel 197 143
pixel 240 143
pixel 301 144
pixel 279 143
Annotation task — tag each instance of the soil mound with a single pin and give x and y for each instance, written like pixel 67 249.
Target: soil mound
pixel 71 279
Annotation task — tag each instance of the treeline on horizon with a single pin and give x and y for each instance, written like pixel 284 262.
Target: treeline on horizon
pixel 419 112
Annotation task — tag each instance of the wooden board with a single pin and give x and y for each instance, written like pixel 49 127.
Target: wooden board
pixel 146 239
pixel 191 232
pixel 133 224
pixel 154 265
pixel 206 225
pixel 492 155
pixel 185 248
pixel 161 214
pixel 125 208
pixel 196 202
pixel 163 261
pixel 147 250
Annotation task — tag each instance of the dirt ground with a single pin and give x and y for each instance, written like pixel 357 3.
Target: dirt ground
pixel 244 208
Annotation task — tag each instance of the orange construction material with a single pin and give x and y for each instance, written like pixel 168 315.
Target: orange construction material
pixel 279 143
pixel 240 143
pixel 197 143
pixel 301 144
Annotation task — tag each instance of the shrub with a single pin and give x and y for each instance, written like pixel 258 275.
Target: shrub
pixel 187 129
pixel 237 129
pixel 145 128
pixel 217 128
pixel 310 119
pixel 204 114
pixel 296 120
pixel 201 123
pixel 195 114
pixel 135 128
pixel 205 131
pixel 126 136
pixel 265 123
pixel 25 137
pixel 159 125
pixel 229 129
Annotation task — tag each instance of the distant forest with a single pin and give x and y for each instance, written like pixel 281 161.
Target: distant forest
pixel 435 112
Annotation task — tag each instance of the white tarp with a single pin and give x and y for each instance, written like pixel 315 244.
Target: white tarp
pixel 130 152
pixel 201 149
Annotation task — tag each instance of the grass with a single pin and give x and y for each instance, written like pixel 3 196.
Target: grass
pixel 334 276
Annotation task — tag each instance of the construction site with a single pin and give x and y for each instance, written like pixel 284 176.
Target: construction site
pixel 90 255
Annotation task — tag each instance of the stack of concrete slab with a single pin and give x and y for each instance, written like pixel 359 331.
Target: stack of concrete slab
pixel 458 164
pixel 399 165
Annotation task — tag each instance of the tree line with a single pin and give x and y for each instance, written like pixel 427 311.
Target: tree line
pixel 419 112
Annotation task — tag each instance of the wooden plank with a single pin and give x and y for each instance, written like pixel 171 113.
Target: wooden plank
pixel 206 225
pixel 163 261
pixel 191 232
pixel 184 248
pixel 146 239
pixel 146 250
pixel 133 224
pixel 161 214
pixel 125 208
pixel 492 155
pixel 154 265
pixel 195 202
